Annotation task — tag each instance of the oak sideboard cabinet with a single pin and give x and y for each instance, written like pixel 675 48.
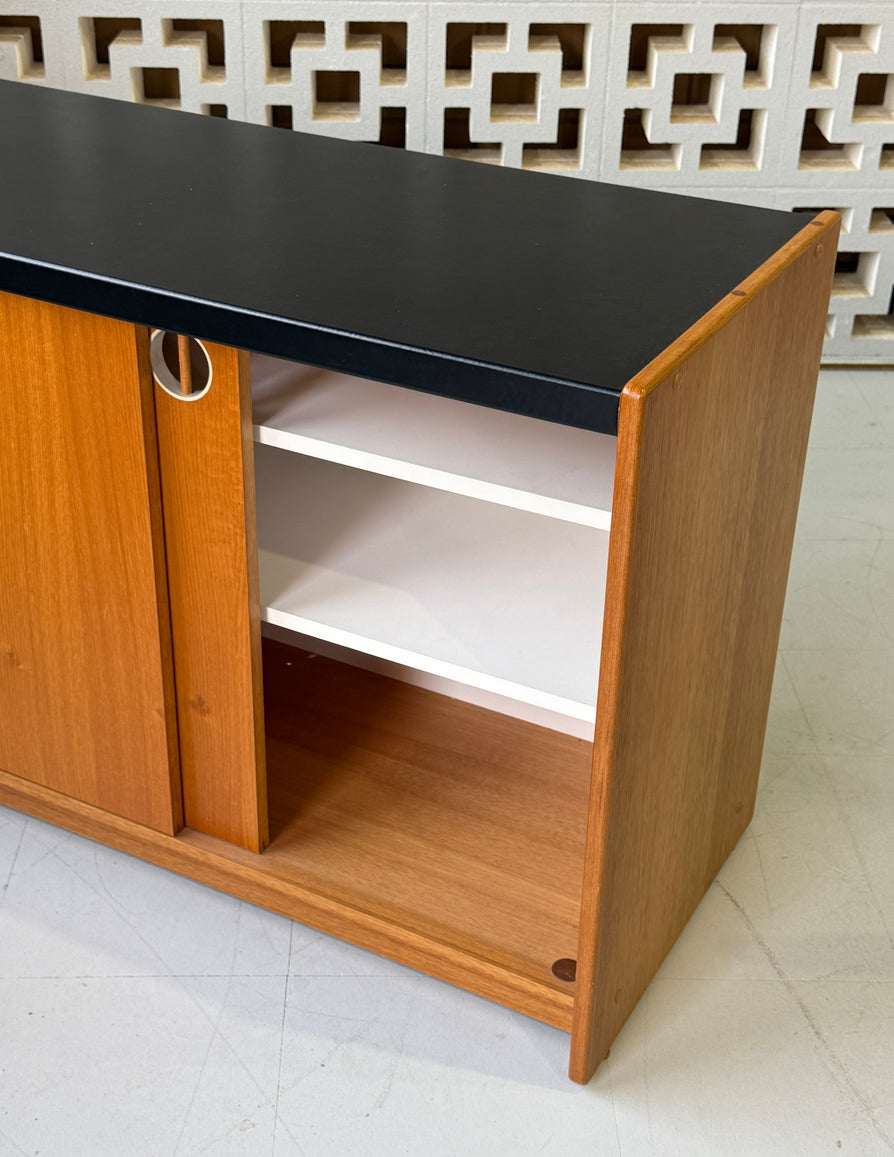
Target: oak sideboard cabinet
pixel 395 542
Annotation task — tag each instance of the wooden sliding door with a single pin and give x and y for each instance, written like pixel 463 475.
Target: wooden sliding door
pixel 86 688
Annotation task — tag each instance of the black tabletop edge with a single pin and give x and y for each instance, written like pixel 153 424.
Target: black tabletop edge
pixel 567 403
pixel 529 292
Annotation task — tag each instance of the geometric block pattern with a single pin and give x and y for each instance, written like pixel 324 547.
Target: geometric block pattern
pixel 838 150
pixel 518 84
pixel 861 314
pixel 692 94
pixel 785 104
pixel 31 44
pixel 184 56
pixel 841 98
pixel 353 72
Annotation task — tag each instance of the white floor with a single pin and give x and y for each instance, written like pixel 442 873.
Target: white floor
pixel 141 1014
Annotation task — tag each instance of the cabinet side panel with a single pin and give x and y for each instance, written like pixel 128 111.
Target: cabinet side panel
pixel 711 453
pixel 85 683
pixel 205 450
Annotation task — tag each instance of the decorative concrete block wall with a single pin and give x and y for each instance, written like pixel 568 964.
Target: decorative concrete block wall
pixel 787 104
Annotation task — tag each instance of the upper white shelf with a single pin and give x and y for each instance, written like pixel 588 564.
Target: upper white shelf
pixel 467 591
pixel 509 459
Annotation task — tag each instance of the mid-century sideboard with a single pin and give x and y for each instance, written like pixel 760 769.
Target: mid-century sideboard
pixel 395 542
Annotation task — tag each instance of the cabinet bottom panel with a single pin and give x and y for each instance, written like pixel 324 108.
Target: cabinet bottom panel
pixel 462 824
pixel 439 834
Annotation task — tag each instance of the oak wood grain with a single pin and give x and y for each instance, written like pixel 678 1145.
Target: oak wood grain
pixel 183 354
pixel 205 451
pixel 439 834
pixel 459 822
pixel 86 695
pixel 712 439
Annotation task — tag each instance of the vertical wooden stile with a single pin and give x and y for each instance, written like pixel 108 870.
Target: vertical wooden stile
pixel 205 450
pixel 185 364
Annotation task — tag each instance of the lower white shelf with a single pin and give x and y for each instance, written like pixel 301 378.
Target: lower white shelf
pixel 483 595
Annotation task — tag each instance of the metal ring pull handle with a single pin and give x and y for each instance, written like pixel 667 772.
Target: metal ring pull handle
pixel 180 365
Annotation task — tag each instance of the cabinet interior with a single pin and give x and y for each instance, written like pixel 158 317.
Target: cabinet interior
pixel 432 581
pixel 445 819
pixel 474 592
pixel 482 452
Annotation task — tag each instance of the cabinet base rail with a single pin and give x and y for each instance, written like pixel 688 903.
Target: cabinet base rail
pixel 242 874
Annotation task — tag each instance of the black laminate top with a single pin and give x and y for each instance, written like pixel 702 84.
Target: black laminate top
pixel 525 291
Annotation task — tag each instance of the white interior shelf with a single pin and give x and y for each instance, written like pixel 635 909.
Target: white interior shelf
pixel 466 449
pixel 494 598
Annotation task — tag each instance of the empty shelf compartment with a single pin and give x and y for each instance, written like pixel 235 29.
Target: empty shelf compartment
pixel 505 458
pixel 497 598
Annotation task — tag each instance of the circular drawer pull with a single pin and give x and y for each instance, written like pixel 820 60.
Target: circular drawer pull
pixel 180 365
